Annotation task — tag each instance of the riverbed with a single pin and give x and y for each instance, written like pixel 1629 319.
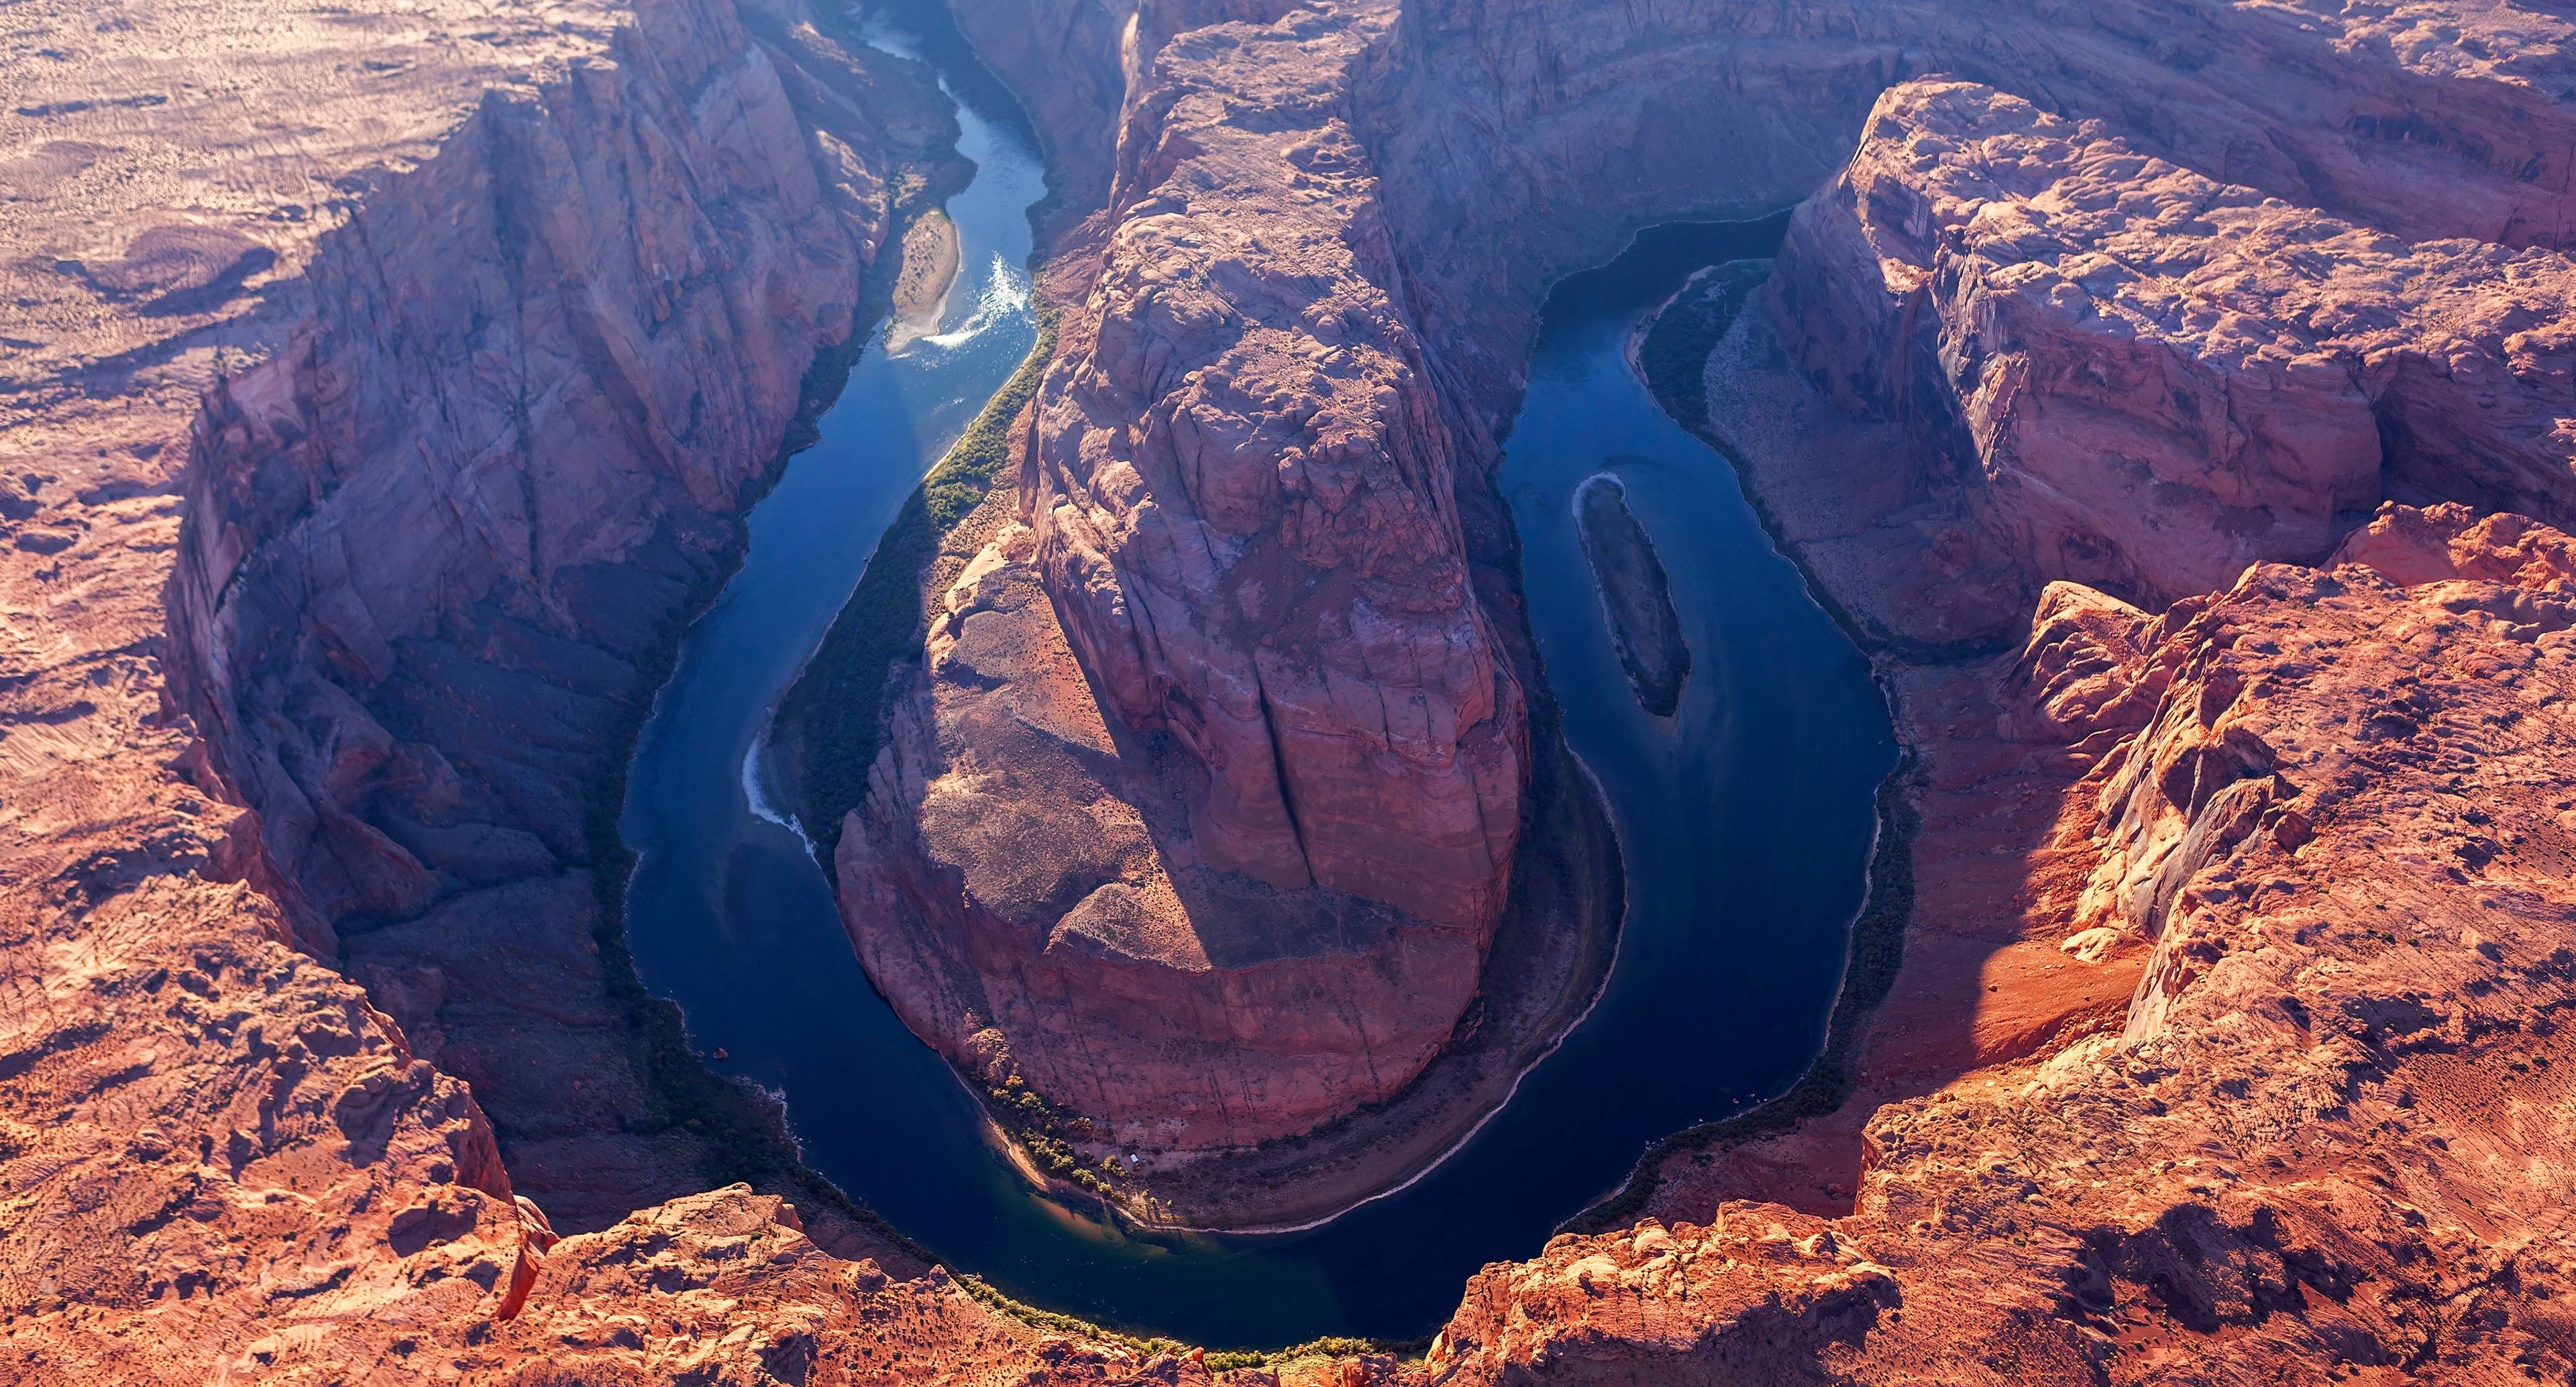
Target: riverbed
pixel 1745 821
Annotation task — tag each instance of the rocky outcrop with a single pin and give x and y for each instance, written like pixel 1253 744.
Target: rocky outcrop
pixel 524 224
pixel 1026 891
pixel 2152 1083
pixel 438 544
pixel 1275 851
pixel 2291 1149
pixel 2231 1031
pixel 1242 498
pixel 2145 379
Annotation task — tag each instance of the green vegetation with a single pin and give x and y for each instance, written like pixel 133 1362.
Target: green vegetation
pixel 1877 951
pixel 1675 353
pixel 1045 1132
pixel 1674 358
pixel 1218 1360
pixel 743 1136
pixel 835 714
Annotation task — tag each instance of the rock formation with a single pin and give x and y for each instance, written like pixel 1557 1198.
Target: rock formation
pixel 2229 1043
pixel 1239 495
pixel 2150 378
pixel 2320 815
pixel 556 359
pixel 2150 1088
pixel 1636 595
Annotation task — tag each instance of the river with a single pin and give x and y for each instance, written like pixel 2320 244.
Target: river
pixel 1745 819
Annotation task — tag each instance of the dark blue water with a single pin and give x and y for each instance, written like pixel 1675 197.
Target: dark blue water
pixel 1746 823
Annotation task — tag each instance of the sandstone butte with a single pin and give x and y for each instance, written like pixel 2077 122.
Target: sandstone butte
pixel 2175 396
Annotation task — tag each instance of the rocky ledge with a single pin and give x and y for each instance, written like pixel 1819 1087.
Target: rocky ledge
pixel 2237 921
pixel 2229 1043
pixel 1201 814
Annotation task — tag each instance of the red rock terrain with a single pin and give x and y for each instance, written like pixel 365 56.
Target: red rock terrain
pixel 378 385
pixel 1256 603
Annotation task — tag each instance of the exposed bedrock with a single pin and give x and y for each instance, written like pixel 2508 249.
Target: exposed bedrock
pixel 1257 474
pixel 1242 494
pixel 438 544
pixel 2230 1042
pixel 1084 947
pixel 2322 811
pixel 2141 378
pixel 1238 488
pixel 1519 145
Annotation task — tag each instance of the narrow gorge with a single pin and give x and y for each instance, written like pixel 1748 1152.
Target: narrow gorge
pixel 736 690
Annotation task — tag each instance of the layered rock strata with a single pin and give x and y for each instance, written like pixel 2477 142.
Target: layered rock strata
pixel 1636 595
pixel 2321 812
pixel 358 363
pixel 2303 1133
pixel 2142 378
pixel 438 543
pixel 1207 842
pixel 2206 903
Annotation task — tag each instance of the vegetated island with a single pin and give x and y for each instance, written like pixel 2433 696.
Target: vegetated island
pixel 1635 593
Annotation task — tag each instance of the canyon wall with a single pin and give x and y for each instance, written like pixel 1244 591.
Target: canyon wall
pixel 2236 924
pixel 527 300
pixel 1532 145
pixel 438 545
pixel 2145 379
pixel 2230 1040
pixel 2308 1146
pixel 1251 888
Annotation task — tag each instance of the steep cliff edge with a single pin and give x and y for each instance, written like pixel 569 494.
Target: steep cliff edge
pixel 2206 904
pixel 1202 812
pixel 2304 1133
pixel 2141 378
pixel 2324 808
pixel 222 1156
pixel 438 545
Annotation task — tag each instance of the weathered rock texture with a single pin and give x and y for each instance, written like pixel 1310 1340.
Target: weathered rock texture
pixel 218 1154
pixel 2231 1043
pixel 438 542
pixel 2208 903
pixel 1251 888
pixel 2146 379
pixel 1091 952
pixel 2325 810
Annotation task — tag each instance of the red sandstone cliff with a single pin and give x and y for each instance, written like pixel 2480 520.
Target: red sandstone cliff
pixel 437 542
pixel 2146 379
pixel 2295 1119
pixel 1251 889
pixel 2209 904
pixel 2309 1149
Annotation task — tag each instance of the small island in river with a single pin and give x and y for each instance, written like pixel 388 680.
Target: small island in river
pixel 930 263
pixel 1635 593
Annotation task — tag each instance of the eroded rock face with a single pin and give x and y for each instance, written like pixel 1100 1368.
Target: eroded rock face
pixel 1240 501
pixel 2314 828
pixel 1080 944
pixel 438 543
pixel 2147 379
pixel 1243 498
pixel 2293 1143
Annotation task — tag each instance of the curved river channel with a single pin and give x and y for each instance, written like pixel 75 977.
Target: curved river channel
pixel 1746 822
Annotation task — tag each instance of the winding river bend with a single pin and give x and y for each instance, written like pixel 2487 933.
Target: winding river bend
pixel 1745 818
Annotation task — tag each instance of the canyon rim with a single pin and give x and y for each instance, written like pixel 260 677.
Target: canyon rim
pixel 2175 400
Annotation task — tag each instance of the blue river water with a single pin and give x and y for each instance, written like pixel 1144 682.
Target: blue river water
pixel 1745 819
